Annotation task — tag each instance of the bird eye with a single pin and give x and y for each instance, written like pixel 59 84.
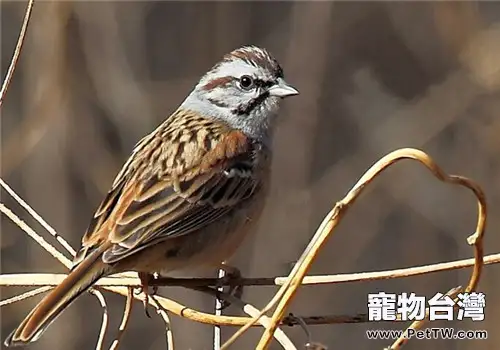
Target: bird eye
pixel 246 82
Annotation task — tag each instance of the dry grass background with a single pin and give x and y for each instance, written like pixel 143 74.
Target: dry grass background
pixel 96 76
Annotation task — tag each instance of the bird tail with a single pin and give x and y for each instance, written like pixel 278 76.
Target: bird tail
pixel 78 281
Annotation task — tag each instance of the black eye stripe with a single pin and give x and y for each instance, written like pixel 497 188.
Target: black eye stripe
pixel 263 83
pixel 245 109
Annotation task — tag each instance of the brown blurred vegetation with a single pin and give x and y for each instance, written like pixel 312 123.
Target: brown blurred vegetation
pixel 94 77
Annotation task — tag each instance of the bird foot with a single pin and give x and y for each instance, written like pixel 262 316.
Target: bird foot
pixel 232 275
pixel 146 279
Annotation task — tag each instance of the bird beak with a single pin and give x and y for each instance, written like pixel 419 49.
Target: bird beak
pixel 282 89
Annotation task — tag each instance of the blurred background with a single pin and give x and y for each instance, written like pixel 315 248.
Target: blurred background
pixel 94 77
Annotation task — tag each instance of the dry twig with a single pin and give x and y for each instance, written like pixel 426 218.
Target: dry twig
pixel 112 283
pixel 168 329
pixel 25 295
pixel 336 214
pixel 105 317
pixel 17 51
pixel 125 319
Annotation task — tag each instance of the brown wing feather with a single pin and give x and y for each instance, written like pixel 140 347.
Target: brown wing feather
pixel 185 175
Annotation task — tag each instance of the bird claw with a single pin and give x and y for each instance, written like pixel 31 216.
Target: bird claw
pixel 146 279
pixel 232 275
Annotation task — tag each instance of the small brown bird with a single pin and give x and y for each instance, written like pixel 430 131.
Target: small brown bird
pixel 189 192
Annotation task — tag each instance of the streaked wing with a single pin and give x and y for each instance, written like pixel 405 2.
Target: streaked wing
pixel 149 205
pixel 167 213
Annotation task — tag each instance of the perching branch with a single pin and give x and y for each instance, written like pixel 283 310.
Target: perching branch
pixel 122 283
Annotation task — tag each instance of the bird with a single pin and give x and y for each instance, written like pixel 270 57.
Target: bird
pixel 191 190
